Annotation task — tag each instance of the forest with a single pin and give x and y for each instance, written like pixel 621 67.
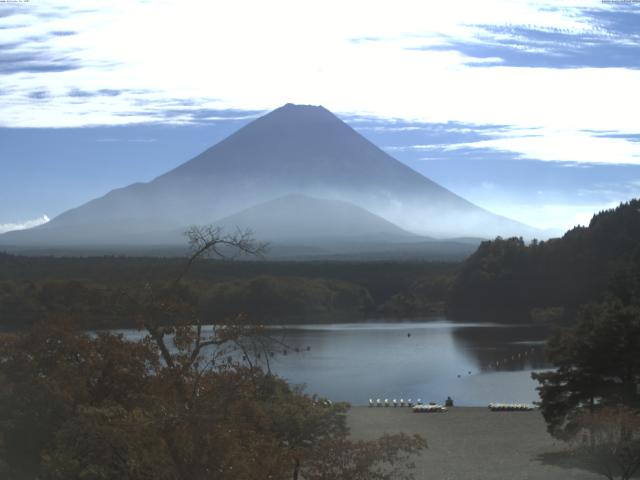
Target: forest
pixel 504 280
pixel 549 280
pixel 94 289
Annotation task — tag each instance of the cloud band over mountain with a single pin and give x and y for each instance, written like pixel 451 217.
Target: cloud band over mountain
pixel 10 227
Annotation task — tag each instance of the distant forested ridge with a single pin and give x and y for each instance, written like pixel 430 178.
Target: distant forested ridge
pixel 268 299
pixel 549 280
pixel 97 291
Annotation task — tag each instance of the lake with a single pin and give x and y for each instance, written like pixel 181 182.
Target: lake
pixel 428 360
pixel 474 363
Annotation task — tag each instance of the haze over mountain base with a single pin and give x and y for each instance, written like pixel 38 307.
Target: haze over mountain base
pixel 297 176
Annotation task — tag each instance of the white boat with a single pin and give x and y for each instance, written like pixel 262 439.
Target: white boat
pixel 511 407
pixel 430 409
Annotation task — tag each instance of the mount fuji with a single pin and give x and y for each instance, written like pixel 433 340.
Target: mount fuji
pixel 298 152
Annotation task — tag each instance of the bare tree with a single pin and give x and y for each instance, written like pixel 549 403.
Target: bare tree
pixel 190 349
pixel 209 241
pixel 169 308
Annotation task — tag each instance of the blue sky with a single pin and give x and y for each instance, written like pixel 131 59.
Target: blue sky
pixel 526 108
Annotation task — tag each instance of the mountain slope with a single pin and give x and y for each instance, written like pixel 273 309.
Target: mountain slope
pixel 299 217
pixel 294 149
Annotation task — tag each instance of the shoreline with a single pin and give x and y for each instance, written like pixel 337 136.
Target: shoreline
pixel 468 443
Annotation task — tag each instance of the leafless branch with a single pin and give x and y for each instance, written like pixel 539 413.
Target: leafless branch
pixel 208 240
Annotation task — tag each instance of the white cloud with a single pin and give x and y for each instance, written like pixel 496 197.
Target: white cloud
pixel 386 128
pixel 558 146
pixel 280 51
pixel 8 227
pixel 558 217
pixel 353 57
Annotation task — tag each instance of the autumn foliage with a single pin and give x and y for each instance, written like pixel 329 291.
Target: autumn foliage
pixel 187 401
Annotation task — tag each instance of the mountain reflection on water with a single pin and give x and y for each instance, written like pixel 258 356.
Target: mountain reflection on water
pixel 473 363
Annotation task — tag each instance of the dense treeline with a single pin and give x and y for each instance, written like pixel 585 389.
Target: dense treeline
pixel 269 299
pixel 547 280
pixel 95 291
pixel 90 305
pixel 264 299
pixel 381 279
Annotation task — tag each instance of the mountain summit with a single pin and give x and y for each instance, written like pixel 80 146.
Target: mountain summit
pixel 295 149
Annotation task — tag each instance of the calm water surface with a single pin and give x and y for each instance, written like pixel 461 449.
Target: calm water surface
pixel 428 360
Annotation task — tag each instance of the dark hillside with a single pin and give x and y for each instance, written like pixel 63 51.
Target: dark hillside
pixel 508 277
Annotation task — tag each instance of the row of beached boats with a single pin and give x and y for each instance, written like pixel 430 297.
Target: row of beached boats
pixel 511 407
pixel 419 407
pixel 393 403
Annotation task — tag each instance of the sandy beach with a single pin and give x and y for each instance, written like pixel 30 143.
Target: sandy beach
pixel 469 443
